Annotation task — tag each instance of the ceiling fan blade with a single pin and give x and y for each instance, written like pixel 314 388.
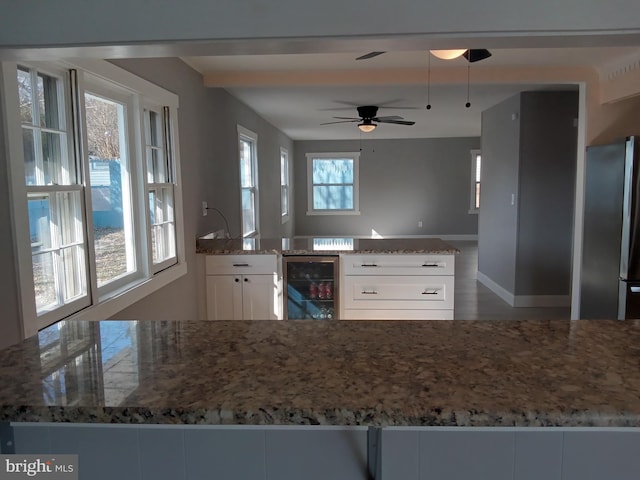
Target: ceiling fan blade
pixel 476 55
pixel 397 122
pixel 347 118
pixel 342 121
pixel 369 55
pixel 388 117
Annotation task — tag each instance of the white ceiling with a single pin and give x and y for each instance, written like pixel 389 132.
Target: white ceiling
pixel 298 92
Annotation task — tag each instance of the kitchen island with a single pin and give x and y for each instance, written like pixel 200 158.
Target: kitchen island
pixel 377 278
pixel 402 376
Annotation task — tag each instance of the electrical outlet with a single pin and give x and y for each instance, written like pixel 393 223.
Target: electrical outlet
pixel 204 209
pixel 419 223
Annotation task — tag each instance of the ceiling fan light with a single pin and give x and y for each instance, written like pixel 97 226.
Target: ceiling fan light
pixel 447 54
pixel 367 127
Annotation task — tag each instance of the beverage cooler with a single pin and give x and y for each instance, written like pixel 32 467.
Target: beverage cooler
pixel 311 287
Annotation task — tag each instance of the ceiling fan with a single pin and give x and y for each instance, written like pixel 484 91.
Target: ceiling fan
pixel 472 55
pixel 368 119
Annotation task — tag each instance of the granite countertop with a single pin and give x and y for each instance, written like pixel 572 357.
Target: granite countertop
pixel 451 373
pixel 320 245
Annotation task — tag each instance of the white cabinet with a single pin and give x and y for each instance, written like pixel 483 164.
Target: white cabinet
pixel 243 287
pixel 397 286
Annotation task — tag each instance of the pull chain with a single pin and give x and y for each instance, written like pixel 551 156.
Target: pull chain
pixel 468 104
pixel 429 81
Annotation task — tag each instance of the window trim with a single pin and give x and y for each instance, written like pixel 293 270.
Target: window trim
pixel 247 135
pixel 120 298
pixel 472 185
pixel 355 156
pixel 287 162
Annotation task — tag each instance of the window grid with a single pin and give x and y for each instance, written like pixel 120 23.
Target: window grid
pixel 54 197
pixel 332 183
pixel 248 145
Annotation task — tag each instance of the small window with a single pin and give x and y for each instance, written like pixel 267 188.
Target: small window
pixel 332 183
pixel 284 184
pixel 248 147
pixel 160 187
pixel 476 164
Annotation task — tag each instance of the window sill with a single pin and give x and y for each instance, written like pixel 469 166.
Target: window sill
pixel 130 294
pixel 333 212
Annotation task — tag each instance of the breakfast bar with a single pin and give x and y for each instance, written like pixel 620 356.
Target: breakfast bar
pixel 511 391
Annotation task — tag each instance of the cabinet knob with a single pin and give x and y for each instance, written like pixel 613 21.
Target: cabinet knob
pixel 236 280
pixel 246 279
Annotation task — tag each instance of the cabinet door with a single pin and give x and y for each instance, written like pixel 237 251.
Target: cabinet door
pixel 259 297
pixel 224 297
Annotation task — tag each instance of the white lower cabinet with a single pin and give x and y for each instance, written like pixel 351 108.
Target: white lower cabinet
pixel 397 286
pixel 243 287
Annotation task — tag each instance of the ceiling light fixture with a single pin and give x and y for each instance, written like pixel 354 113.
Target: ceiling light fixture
pixel 367 126
pixel 448 54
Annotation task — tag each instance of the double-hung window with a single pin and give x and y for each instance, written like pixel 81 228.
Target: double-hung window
pixel 54 194
pixel 332 183
pixel 248 148
pixel 284 184
pixel 161 186
pixel 95 184
pixel 476 164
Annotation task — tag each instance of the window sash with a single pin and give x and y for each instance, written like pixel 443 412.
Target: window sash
pixel 476 180
pixel 333 191
pixel 248 159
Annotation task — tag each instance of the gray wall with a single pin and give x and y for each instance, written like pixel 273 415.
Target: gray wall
pixel 124 21
pixel 10 331
pixel 401 183
pixel 529 151
pixel 210 172
pixel 548 146
pixel 498 220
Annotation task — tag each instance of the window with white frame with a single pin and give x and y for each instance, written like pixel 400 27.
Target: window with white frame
pixel 54 194
pixel 284 184
pixel 160 187
pixel 476 164
pixel 248 151
pixel 95 189
pixel 332 183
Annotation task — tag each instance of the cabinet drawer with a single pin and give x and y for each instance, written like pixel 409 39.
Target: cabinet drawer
pixel 398 264
pixel 241 264
pixel 398 292
pixel 381 314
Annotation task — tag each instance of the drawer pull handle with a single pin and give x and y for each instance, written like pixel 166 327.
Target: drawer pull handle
pixel 432 265
pixel 369 265
pixel 240 264
pixel 372 292
pixel 430 292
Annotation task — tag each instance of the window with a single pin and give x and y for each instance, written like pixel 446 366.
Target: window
pixel 54 195
pixel 160 188
pixel 94 176
pixel 332 183
pixel 476 163
pixel 284 184
pixel 248 147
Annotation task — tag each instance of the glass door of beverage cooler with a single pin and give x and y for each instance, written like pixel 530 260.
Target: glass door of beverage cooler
pixel 311 286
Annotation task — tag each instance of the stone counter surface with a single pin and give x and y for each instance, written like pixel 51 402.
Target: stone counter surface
pixel 404 373
pixel 305 246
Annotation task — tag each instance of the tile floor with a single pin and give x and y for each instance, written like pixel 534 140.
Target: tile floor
pixel 474 301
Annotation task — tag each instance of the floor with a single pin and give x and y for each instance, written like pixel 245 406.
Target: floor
pixel 474 301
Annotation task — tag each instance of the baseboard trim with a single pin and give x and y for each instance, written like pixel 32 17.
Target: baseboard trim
pixel 542 301
pixel 524 300
pixel 495 288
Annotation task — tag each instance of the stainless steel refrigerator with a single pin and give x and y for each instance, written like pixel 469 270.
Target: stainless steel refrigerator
pixel 610 285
